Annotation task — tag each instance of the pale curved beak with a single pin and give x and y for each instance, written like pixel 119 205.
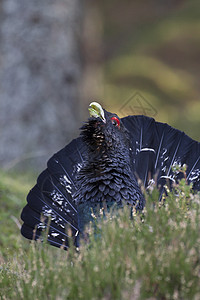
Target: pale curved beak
pixel 96 111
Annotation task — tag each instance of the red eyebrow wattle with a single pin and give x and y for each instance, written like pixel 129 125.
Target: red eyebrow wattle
pixel 117 120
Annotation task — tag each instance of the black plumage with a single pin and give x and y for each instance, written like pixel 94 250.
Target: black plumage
pixel 103 167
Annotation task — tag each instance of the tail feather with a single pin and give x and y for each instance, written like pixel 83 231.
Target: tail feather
pixel 159 150
pixel 30 234
pixel 193 162
pixel 67 162
pixel 47 195
pixel 141 130
pixel 174 152
pixel 51 205
pixel 36 224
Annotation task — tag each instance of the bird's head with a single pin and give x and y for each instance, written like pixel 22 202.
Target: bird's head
pixel 104 131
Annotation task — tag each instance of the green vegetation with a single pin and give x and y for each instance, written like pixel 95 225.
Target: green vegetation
pixel 154 255
pixel 13 190
pixel 153 48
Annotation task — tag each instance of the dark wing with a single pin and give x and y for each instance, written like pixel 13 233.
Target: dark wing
pixel 50 203
pixel 158 149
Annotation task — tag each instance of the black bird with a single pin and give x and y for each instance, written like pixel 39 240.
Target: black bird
pixel 103 167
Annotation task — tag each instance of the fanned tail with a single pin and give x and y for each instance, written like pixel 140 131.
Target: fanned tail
pixel 159 151
pixel 51 206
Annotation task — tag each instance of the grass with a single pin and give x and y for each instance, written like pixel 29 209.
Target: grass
pixel 154 255
pixel 13 190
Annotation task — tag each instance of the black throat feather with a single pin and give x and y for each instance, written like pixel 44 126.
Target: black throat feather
pixel 107 173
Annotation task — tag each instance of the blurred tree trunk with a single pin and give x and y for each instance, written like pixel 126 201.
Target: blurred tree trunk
pixel 40 70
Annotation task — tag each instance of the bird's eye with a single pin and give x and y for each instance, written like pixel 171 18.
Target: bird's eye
pixel 115 121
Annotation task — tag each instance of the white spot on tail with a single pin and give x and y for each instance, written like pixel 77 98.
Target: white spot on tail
pixel 168 177
pixel 66 179
pixel 195 175
pixel 47 212
pixel 78 167
pixel 41 226
pixel 147 149
pixel 55 234
pixel 66 183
